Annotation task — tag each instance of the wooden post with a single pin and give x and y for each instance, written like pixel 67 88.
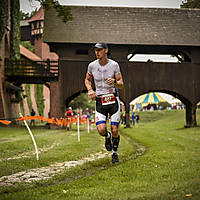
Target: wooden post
pixel 127 110
pixel 190 115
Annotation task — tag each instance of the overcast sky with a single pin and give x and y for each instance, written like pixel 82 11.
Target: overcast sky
pixel 26 6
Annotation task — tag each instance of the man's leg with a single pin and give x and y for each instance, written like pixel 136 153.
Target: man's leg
pixel 102 129
pixel 115 141
pixel 115 119
pixel 101 119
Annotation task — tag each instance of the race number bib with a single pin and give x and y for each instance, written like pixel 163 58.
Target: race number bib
pixel 107 99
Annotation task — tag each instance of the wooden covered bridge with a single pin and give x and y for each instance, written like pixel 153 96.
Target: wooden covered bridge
pixel 128 31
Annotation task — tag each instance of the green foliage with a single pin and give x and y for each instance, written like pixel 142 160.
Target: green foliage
pixel 39 98
pixel 26 16
pixel 3 17
pixel 18 95
pixel 15 25
pixel 190 4
pixel 82 102
pixel 28 94
pixel 63 11
pixel 22 107
pixel 15 30
pixel 164 105
pixel 28 45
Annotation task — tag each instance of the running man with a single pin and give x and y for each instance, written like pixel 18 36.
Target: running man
pixel 108 79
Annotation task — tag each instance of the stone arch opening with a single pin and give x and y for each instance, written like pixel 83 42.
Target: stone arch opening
pixel 190 108
pixel 73 96
pixel 81 102
pixel 181 99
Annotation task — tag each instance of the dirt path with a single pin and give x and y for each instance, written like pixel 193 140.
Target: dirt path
pixel 44 173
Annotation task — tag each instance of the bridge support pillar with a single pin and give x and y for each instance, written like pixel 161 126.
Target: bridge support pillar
pixel 127 114
pixel 190 115
pixel 56 104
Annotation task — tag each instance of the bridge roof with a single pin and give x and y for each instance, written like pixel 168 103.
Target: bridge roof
pixel 125 25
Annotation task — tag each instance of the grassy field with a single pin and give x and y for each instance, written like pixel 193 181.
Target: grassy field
pixel 159 160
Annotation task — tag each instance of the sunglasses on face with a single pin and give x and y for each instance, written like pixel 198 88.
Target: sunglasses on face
pixel 98 49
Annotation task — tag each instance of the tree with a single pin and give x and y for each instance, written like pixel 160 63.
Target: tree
pixel 15 30
pixel 64 12
pixel 3 17
pixel 26 16
pixel 28 45
pixel 82 102
pixel 190 4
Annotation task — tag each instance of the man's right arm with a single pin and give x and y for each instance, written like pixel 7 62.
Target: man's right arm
pixel 88 84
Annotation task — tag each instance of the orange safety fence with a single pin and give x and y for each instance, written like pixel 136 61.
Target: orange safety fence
pixel 60 122
pixel 5 122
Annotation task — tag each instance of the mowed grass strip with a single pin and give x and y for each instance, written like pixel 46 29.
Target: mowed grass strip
pixel 169 169
pixel 54 146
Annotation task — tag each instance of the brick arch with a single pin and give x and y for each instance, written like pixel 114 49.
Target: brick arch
pixel 177 78
pixel 69 99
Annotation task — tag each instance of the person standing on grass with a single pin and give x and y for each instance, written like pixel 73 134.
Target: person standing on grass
pixel 69 114
pixel 137 118
pixel 133 118
pixel 32 115
pixel 108 79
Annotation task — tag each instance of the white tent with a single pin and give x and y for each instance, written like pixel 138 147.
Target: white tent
pixel 170 99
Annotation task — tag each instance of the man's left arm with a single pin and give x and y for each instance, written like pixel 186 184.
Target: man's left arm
pixel 118 82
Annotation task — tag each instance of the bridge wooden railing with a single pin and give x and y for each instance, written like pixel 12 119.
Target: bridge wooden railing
pixel 23 71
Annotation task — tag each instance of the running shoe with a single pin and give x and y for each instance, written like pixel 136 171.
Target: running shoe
pixel 108 143
pixel 115 158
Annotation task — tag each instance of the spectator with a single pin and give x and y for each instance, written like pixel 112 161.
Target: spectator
pixel 49 114
pixel 69 115
pixel 32 120
pixel 137 118
pixel 133 118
